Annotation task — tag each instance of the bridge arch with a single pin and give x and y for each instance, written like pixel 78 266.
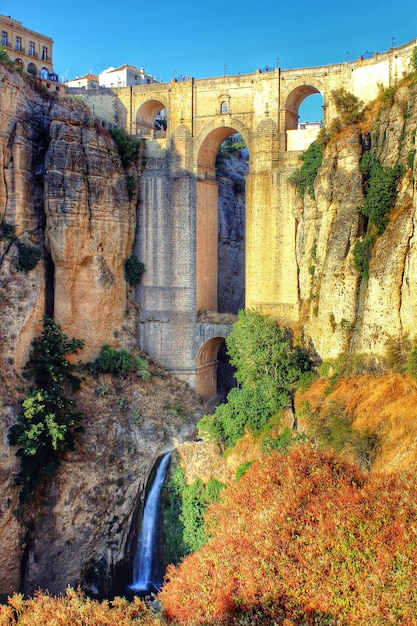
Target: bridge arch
pixel 293 103
pixel 147 114
pixel 214 374
pixel 209 142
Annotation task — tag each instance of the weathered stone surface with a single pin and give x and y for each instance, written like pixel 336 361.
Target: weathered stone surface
pixel 338 311
pixel 84 532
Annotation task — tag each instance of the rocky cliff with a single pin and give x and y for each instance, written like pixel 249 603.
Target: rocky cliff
pixel 339 311
pixel 65 194
pixel 68 218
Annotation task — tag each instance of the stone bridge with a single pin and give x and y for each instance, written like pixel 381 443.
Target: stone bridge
pixel 177 218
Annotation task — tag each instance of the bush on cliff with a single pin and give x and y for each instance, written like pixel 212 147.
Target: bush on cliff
pixel 120 363
pixel 303 178
pixel 267 368
pixel 75 609
pixel 133 270
pixel 47 416
pixel 127 145
pixel 303 538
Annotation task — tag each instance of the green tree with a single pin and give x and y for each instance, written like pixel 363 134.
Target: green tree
pixel 267 367
pixel 44 428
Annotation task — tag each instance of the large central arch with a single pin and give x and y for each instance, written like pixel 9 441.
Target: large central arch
pixel 207 214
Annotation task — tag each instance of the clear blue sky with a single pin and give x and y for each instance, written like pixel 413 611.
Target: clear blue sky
pixel 199 39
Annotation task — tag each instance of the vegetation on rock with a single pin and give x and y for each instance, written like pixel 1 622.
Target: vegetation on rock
pixel 120 363
pixel 133 270
pixel 303 178
pixel 47 416
pixel 303 538
pixel 75 609
pixel 128 146
pixel 184 513
pixel 267 368
pixel 380 190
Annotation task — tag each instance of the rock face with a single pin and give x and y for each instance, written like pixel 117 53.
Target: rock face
pixel 65 193
pixel 84 530
pixel 338 311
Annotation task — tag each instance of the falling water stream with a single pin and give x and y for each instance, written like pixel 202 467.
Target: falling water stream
pixel 145 565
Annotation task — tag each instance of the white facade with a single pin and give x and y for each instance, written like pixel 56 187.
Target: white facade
pixel 124 76
pixel 89 81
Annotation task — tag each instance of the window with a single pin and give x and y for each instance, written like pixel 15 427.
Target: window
pixel 4 38
pixel 18 43
pixel 32 48
pixel 223 107
pixel 44 53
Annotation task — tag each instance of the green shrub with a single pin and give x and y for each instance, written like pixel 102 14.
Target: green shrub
pixel 47 415
pixel 397 353
pixel 380 186
pixel 242 469
pixel 4 57
pixel 190 504
pixel 303 178
pixel 8 231
pixel 414 58
pixel 128 146
pixel 334 430
pixel 113 361
pixel 282 442
pixel 141 366
pixel 133 270
pixel 172 526
pixel 387 93
pixel 131 185
pixel 362 253
pixel 411 363
pixel 267 368
pixel 28 257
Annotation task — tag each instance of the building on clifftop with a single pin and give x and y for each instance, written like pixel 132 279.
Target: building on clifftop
pixel 26 48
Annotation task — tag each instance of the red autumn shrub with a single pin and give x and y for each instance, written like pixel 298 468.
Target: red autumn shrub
pixel 74 609
pixel 304 539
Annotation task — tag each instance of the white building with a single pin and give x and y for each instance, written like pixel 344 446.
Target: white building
pixel 88 81
pixel 124 76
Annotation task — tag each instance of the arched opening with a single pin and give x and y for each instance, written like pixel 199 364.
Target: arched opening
pixel 32 69
pixel 18 62
pixel 303 116
pixel 44 73
pixel 311 110
pixel 152 119
pixel 231 168
pixel 220 261
pixel 214 374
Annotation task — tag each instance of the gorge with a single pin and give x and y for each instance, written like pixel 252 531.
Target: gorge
pixel 65 191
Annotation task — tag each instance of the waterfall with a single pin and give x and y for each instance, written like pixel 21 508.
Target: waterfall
pixel 145 563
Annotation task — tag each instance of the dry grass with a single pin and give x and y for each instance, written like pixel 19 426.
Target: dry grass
pixel 385 405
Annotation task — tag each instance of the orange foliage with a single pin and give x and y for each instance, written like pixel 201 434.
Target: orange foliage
pixel 74 609
pixel 304 539
pixel 385 405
